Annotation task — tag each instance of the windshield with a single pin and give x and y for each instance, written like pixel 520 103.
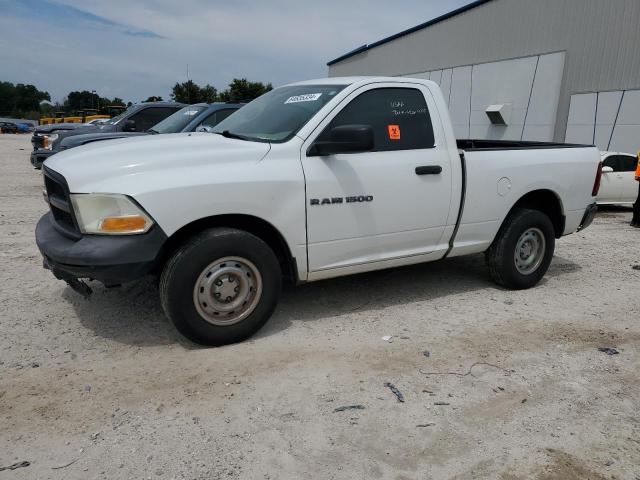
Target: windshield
pixel 277 115
pixel 117 118
pixel 176 122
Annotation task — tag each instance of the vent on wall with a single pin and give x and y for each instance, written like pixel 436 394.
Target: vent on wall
pixel 499 114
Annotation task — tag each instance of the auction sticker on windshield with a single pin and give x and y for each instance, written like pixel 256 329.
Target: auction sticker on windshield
pixel 308 97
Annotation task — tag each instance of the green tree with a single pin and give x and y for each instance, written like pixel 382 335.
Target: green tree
pixel 208 94
pixel 242 90
pixel 48 109
pixel 81 100
pixel 16 100
pixel 7 98
pixel 153 99
pixel 191 92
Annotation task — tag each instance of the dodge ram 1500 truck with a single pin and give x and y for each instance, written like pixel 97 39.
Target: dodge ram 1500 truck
pixel 312 180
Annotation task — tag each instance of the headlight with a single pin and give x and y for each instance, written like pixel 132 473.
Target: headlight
pixel 49 139
pixel 107 214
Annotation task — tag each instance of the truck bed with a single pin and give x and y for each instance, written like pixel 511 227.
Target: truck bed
pixel 497 173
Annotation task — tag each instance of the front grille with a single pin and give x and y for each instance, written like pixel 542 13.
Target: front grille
pixel 60 204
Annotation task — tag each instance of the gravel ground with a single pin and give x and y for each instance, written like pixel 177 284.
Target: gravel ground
pixel 105 388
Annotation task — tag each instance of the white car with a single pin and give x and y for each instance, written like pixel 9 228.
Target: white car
pixel 618 184
pixel 312 180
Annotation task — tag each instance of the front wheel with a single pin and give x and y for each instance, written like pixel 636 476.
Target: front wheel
pixel 521 253
pixel 221 286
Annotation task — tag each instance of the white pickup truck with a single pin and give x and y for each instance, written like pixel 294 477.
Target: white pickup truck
pixel 312 180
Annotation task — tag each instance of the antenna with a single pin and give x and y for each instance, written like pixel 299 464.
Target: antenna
pixel 188 89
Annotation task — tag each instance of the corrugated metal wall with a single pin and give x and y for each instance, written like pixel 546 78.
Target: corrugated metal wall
pixel 601 39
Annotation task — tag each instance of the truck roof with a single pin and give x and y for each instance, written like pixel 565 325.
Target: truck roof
pixel 353 80
pixel 160 104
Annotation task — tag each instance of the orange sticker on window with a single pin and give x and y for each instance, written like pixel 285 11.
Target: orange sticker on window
pixel 394 132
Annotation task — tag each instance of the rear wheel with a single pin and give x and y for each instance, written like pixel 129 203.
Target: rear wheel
pixel 221 286
pixel 521 253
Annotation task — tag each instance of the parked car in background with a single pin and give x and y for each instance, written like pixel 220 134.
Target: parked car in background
pixel 137 118
pixel 8 127
pixel 197 117
pixel 618 178
pixel 310 181
pixel 42 133
pixel 25 128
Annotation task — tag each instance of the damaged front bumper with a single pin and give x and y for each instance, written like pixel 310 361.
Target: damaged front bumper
pixel 110 259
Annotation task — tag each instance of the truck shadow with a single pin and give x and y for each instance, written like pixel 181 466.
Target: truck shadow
pixel 378 290
pixel 132 314
pixel 615 208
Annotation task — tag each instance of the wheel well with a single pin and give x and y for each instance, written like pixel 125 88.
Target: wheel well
pixel 254 225
pixel 548 203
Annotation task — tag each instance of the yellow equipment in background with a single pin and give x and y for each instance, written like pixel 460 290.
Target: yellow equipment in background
pixel 83 116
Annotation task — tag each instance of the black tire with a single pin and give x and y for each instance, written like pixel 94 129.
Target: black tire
pixel 187 264
pixel 500 256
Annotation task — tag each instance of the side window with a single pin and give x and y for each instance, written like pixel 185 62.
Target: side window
pixel 216 117
pixel 399 118
pixel 148 117
pixel 613 162
pixel 628 163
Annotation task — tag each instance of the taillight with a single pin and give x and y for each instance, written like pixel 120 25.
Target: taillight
pixel 596 184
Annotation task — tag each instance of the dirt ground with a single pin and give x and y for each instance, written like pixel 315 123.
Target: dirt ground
pixel 106 388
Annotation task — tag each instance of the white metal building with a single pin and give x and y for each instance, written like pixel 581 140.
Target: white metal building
pixel 562 70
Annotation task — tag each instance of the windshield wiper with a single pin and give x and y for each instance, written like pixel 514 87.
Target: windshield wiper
pixel 153 132
pixel 228 134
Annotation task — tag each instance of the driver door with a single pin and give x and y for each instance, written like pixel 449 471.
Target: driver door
pixel 386 204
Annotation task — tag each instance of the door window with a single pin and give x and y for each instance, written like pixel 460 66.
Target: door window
pixel 148 117
pixel 216 117
pixel 628 163
pixel 399 118
pixel 621 163
pixel 613 162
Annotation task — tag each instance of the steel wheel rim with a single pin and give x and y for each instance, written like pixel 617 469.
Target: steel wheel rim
pixel 530 250
pixel 227 291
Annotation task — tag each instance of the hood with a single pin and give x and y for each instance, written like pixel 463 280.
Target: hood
pixel 116 164
pixel 58 126
pixel 85 129
pixel 73 141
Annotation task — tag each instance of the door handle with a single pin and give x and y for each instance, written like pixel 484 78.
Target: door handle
pixel 429 170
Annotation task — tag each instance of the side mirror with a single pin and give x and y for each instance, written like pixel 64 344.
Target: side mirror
pixel 129 126
pixel 344 139
pixel 607 169
pixel 204 128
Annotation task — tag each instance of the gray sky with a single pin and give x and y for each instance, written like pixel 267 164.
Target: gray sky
pixel 134 49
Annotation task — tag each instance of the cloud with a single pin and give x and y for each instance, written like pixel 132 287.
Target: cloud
pixel 67 16
pixel 134 49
